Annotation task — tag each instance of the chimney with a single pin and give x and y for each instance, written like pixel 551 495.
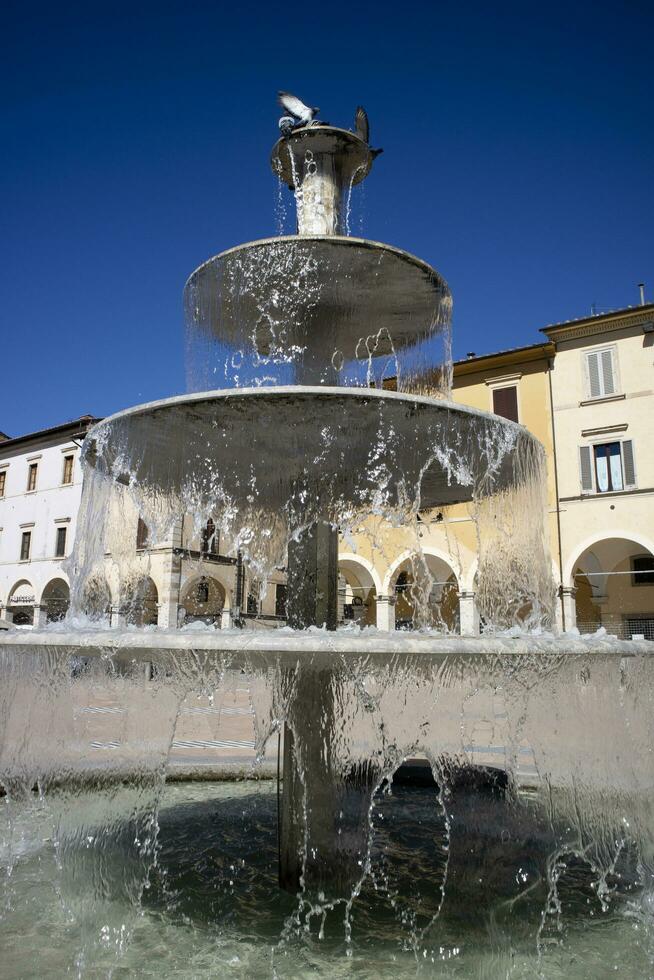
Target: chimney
pixel 641 286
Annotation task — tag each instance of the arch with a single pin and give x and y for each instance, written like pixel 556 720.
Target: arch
pixel 361 589
pixel 96 597
pixel 203 598
pixel 635 537
pixel 21 600
pixel 429 551
pixel 140 604
pixel 429 593
pixel 364 570
pixel 607 591
pixel 56 598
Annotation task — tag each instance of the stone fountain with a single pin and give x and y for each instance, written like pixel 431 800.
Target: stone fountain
pixel 305 442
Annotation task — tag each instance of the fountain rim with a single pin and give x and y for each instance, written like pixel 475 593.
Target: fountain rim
pixel 337 240
pixel 309 391
pixel 325 648
pixel 318 129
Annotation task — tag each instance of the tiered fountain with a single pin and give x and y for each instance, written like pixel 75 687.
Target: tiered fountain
pixel 307 442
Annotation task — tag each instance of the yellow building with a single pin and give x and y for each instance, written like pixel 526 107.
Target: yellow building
pixel 383 568
pixel 586 392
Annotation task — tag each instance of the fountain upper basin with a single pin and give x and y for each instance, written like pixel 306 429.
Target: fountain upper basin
pixel 329 292
pixel 313 449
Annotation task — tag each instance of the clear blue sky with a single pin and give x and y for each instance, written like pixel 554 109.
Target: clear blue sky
pixel 519 159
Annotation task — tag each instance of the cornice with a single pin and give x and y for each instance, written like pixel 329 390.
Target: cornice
pixel 491 362
pixel 600 324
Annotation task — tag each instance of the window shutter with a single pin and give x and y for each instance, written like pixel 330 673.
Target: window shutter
pixel 628 465
pixel 595 384
pixel 505 403
pixel 586 469
pixel 608 382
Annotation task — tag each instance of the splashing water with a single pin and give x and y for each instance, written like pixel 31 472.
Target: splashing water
pixel 549 840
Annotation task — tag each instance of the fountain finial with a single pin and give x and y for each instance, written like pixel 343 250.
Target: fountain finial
pixel 319 163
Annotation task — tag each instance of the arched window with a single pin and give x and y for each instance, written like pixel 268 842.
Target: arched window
pixel 202 592
pixel 209 539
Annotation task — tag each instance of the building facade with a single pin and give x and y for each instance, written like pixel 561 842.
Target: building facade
pixel 40 490
pixel 586 392
pixel 603 429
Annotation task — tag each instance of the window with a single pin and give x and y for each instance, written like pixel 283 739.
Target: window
pixel 202 591
pixel 209 539
pixel 252 605
pixel 642 567
pixel 607 467
pixel 280 600
pixel 60 546
pixel 25 545
pixel 31 476
pixel 505 402
pixel 141 535
pixel 67 476
pixel 3 482
pixel 600 367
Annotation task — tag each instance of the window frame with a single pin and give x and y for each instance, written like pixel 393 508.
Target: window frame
pixel 636 580
pixel 32 468
pixel 68 456
pixel 592 447
pixel 3 481
pixel 504 387
pixel 592 352
pixel 59 528
pixel 142 535
pixel 25 534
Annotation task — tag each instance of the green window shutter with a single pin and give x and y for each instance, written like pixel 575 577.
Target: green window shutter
pixel 594 381
pixel 586 469
pixel 608 378
pixel 628 465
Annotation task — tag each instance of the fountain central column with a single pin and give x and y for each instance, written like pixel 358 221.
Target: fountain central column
pixel 319 164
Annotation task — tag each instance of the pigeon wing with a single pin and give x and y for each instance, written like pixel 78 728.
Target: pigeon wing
pixel 292 104
pixel 361 123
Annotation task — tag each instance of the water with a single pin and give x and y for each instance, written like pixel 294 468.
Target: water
pixel 211 905
pixel 531 853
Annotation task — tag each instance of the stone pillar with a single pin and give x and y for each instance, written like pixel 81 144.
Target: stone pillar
pixel 40 616
pixel 567 607
pixel 385 612
pixel 226 619
pixel 313 578
pixel 326 797
pixel 468 614
pixel 118 617
pixel 7 615
pixel 169 597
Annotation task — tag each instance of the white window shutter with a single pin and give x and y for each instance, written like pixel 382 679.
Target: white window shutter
pixel 594 380
pixel 608 378
pixel 628 464
pixel 586 469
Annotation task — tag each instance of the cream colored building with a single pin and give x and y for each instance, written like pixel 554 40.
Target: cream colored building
pixel 603 428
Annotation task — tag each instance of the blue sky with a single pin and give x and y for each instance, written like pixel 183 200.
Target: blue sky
pixel 519 156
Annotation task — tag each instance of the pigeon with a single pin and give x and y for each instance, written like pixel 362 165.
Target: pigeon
pixel 362 129
pixel 295 107
pixel 361 124
pixel 286 125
